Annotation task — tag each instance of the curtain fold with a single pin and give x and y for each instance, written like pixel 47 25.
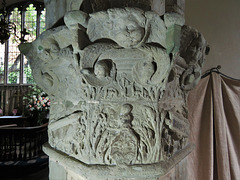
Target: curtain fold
pixel 214 115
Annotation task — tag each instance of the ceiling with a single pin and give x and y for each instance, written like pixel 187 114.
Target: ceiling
pixel 9 2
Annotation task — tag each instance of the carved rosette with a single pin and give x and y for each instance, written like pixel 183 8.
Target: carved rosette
pixel 118 80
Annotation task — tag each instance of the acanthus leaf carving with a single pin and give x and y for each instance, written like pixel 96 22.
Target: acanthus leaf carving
pixel 119 85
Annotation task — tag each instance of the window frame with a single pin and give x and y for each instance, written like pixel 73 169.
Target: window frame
pixel 22 7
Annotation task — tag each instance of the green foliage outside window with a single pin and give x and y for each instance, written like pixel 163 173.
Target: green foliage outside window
pixel 1 71
pixel 30 24
pixel 29 77
pixel 1 74
pixel 13 77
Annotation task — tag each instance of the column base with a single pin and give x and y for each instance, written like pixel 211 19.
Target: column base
pixel 65 167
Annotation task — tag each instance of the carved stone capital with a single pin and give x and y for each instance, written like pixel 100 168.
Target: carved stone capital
pixel 118 80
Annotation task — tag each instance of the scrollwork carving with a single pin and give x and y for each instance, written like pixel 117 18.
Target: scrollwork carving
pixel 119 84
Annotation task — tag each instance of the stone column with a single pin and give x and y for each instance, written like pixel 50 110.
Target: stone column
pixel 118 74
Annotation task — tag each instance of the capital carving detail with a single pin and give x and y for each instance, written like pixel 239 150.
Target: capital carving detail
pixel 118 80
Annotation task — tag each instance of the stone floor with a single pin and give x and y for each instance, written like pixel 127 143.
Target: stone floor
pixel 31 169
pixel 40 175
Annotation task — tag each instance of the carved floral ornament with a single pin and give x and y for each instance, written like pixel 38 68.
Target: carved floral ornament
pixel 118 80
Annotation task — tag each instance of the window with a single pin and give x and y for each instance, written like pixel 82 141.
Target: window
pixel 28 16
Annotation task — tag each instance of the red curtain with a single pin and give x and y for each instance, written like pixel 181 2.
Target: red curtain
pixel 214 115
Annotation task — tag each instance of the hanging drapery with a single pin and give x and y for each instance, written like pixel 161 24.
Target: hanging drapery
pixel 214 114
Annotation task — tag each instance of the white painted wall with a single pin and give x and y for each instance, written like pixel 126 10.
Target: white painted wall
pixel 219 21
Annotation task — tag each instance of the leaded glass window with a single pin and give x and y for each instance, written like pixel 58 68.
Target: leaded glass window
pixel 29 17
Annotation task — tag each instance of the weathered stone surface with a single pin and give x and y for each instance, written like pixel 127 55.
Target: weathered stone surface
pixel 57 9
pixel 175 6
pixel 118 80
pixel 158 6
pixel 78 171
